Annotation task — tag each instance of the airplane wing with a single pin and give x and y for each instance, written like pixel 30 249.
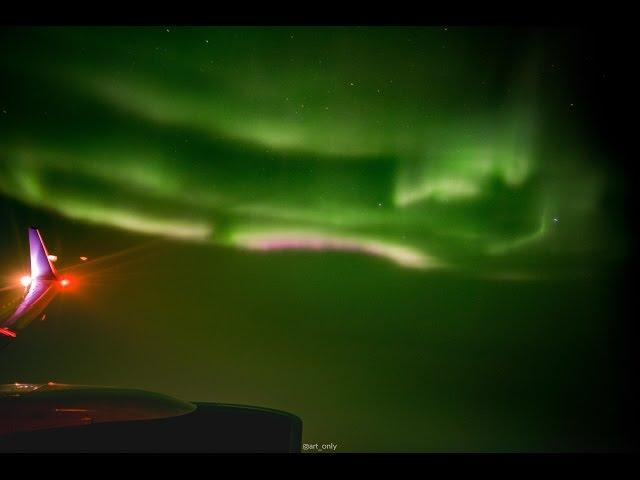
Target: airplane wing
pixel 40 293
pixel 42 289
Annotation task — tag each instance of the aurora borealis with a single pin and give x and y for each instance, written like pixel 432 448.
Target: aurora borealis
pixel 387 231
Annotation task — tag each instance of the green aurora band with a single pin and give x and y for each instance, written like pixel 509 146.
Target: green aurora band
pixel 433 148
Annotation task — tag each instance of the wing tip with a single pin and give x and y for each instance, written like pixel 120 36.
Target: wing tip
pixel 41 266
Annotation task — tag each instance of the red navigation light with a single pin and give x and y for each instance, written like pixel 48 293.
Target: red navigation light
pixel 64 282
pixel 7 332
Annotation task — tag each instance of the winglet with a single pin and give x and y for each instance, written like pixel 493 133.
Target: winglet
pixel 41 266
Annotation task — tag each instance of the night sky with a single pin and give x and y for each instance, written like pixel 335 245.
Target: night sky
pixel 412 238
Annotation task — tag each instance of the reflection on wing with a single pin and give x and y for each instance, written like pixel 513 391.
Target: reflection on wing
pixel 38 296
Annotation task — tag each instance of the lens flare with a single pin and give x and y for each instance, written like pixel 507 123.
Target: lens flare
pixel 25 280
